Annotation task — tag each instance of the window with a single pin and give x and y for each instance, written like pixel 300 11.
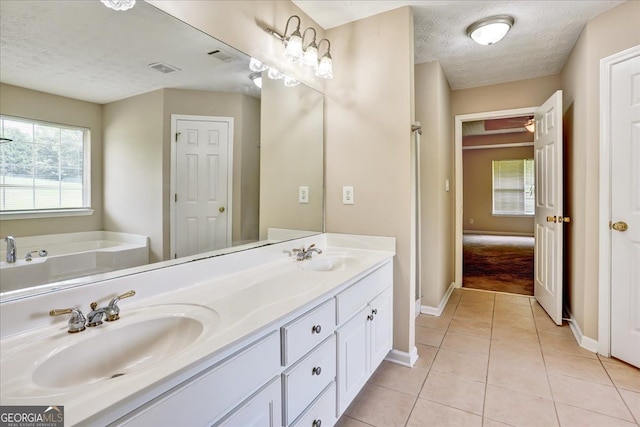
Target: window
pixel 44 168
pixel 513 187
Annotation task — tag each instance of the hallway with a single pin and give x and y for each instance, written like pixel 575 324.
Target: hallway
pixel 498 360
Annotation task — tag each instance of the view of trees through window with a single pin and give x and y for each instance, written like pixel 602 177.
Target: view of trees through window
pixel 43 167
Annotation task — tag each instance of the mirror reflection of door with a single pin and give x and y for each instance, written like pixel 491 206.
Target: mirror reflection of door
pixel 203 166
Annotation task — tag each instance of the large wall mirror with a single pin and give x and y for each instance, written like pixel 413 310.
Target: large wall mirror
pixel 149 88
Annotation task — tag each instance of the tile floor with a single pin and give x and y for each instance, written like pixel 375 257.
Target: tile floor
pixel 498 360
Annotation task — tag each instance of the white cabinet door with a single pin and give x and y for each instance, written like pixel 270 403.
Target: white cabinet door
pixel 353 358
pixel 381 327
pixel 264 409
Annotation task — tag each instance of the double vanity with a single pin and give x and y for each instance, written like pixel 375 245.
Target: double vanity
pixel 266 336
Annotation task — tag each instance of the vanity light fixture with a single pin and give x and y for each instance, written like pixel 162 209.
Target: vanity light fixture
pixel 256 78
pixel 307 55
pixel 255 65
pixel 488 31
pixel 119 4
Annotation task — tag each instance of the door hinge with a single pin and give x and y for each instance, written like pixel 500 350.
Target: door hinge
pixel 175 197
pixel 177 134
pixel 175 256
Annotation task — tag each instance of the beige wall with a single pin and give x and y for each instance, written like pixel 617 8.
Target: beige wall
pixel 433 106
pixel 292 142
pixel 609 33
pixel 478 189
pixel 249 200
pixel 20 102
pixel 368 136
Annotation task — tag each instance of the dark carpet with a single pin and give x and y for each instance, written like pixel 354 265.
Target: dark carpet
pixel 498 263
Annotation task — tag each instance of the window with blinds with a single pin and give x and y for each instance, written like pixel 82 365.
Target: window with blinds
pixel 513 187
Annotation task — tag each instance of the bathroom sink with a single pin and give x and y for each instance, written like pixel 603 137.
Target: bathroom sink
pixel 329 263
pixel 115 350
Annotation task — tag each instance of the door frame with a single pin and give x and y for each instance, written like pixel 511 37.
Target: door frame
pixel 604 233
pixel 458 120
pixel 174 177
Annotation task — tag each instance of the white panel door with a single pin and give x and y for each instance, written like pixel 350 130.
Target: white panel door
pixel 625 210
pixel 202 155
pixel 549 209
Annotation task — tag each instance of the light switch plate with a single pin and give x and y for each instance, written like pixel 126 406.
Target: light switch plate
pixel 347 195
pixel 303 194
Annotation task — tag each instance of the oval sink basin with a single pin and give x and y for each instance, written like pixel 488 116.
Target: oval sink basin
pixel 124 350
pixel 329 263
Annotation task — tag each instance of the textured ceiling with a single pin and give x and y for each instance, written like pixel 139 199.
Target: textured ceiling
pixel 83 50
pixel 539 43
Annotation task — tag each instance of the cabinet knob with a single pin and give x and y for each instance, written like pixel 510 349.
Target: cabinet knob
pixel 317 423
pixel 316 371
pixel 374 311
pixel 316 329
pixel 370 317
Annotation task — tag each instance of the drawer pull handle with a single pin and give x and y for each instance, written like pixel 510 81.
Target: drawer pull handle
pixel 316 371
pixel 317 423
pixel 316 329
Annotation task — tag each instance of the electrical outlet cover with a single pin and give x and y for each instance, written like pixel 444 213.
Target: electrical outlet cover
pixel 303 195
pixel 347 195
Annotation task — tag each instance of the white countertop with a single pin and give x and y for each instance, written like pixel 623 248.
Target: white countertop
pixel 244 303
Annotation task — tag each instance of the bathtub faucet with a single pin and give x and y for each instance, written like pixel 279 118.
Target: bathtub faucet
pixel 29 255
pixel 11 249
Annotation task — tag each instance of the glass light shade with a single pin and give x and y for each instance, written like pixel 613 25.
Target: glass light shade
pixel 290 82
pixel 256 78
pixel 530 126
pixel 310 58
pixel 255 65
pixel 490 30
pixel 274 74
pixel 325 69
pixel 119 4
pixel 293 51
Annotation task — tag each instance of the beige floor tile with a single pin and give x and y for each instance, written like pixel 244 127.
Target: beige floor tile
pixel 345 421
pixel 465 344
pixel 477 328
pixel 429 336
pixel 399 378
pixel 426 354
pixel 477 295
pixel 514 335
pixel 454 391
pixel 481 305
pixel 488 422
pixel 632 399
pixel 522 322
pixel 434 322
pixel 548 326
pixel 466 313
pixel 505 350
pixel 427 413
pixel 571 416
pixel 563 344
pixel 518 409
pixel 524 378
pixel 449 310
pixel 468 366
pixel 513 299
pixel 576 366
pixel 587 395
pixel 517 309
pixel 623 375
pixel 381 407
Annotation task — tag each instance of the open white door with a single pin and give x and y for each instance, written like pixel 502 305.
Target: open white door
pixel 202 184
pixel 549 207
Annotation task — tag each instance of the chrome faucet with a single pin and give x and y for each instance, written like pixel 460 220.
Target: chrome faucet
pixel 94 318
pixel 302 253
pixel 11 249
pixel 112 311
pixel 77 320
pixel 29 255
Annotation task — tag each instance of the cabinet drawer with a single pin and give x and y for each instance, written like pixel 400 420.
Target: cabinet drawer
pixel 304 381
pixel 202 400
pixel 350 301
pixel 322 412
pixel 264 409
pixel 302 334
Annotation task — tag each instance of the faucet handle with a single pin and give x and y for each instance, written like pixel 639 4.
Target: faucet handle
pixel 77 320
pixel 112 311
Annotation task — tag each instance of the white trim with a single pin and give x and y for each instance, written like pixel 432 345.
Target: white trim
pixel 489 146
pixel 54 213
pixel 459 119
pixel 417 307
pixel 604 233
pixel 497 233
pixel 437 311
pixel 402 357
pixel 229 204
pixel 583 341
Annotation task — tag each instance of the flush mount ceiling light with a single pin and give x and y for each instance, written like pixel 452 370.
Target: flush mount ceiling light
pixel 119 4
pixel 256 78
pixel 490 30
pixel 530 125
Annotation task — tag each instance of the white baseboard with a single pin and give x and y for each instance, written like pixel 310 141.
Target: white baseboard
pixel 497 233
pixel 402 357
pixel 437 311
pixel 583 341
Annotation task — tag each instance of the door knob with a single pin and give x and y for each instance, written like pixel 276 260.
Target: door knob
pixel 551 219
pixel 221 209
pixel 620 226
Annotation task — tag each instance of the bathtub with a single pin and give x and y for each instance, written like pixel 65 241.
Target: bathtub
pixel 70 255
